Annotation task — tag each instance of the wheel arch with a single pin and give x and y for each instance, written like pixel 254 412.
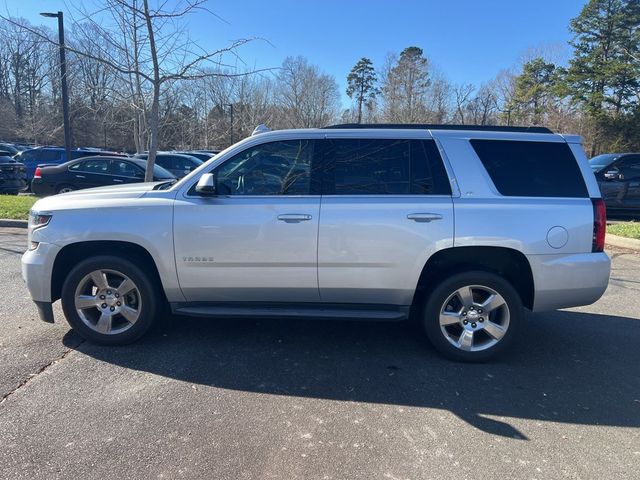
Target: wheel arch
pixel 506 262
pixel 72 254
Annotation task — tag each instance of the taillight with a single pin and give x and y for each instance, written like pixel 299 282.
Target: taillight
pixel 599 224
pixel 38 173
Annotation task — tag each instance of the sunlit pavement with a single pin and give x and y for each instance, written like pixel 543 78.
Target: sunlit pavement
pixel 303 399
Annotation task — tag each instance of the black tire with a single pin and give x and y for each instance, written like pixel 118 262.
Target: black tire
pixel 70 188
pixel 150 299
pixel 435 303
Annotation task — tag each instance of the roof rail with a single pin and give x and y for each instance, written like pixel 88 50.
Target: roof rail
pixel 435 126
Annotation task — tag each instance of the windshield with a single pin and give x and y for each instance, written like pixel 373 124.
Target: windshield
pixel 159 172
pixel 601 161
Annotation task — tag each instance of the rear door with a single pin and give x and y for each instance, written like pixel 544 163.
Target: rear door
pixel 386 207
pixel 93 172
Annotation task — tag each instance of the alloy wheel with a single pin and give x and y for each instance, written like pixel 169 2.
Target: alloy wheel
pixel 108 301
pixel 474 318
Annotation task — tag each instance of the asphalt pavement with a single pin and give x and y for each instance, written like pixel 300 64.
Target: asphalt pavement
pixel 289 399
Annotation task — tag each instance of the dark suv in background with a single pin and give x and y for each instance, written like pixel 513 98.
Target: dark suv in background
pixel 178 164
pixel 618 176
pixel 12 175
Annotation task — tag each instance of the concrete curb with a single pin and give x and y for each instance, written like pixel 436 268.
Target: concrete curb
pixel 8 223
pixel 622 242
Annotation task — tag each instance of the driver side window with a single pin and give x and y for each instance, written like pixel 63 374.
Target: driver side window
pixel 276 168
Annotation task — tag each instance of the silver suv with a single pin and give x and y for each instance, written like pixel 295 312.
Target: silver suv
pixel 460 228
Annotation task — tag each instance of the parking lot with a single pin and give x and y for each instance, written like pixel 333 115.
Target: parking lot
pixel 328 400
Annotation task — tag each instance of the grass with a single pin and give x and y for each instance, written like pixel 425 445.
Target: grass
pixel 16 207
pixel 628 229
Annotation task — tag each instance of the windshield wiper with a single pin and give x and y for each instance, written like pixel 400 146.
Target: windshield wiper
pixel 165 185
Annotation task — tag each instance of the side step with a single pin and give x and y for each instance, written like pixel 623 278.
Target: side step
pixel 385 313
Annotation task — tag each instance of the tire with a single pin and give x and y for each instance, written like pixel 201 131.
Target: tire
pixel 473 331
pixel 132 311
pixel 65 189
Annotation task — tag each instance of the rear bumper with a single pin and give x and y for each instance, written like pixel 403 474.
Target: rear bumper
pixel 563 281
pixel 40 188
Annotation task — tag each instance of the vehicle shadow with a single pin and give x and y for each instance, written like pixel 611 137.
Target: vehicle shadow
pixel 568 367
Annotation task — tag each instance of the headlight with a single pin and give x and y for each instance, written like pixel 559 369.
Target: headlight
pixel 38 219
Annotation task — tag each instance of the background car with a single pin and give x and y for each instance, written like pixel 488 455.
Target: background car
pixel 10 148
pixel 618 176
pixel 204 156
pixel 13 178
pixel 178 164
pixel 88 172
pixel 34 157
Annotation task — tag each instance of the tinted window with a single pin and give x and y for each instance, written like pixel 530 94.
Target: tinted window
pixel 531 169
pixel 629 168
pixel 185 163
pixel 126 169
pixel 276 168
pixel 599 162
pixel 27 156
pixel 91 166
pixel 385 167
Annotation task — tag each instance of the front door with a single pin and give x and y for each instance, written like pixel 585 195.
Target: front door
pixel 629 169
pixel 256 240
pixel 123 172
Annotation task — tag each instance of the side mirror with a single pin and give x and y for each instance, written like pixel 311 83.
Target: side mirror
pixel 206 186
pixel 612 175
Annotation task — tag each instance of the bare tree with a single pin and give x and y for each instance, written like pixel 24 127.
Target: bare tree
pixel 308 97
pixel 155 51
pixel 462 94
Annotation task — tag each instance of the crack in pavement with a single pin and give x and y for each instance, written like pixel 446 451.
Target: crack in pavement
pixel 42 369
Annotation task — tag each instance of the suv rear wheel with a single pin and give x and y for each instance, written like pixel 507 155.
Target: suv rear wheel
pixel 109 300
pixel 473 316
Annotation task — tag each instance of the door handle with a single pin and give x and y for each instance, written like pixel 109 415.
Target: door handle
pixel 294 217
pixel 118 180
pixel 424 217
pixel 80 176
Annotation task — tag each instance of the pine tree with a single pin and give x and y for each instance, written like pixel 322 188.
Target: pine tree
pixel 362 82
pixel 406 85
pixel 605 69
pixel 534 91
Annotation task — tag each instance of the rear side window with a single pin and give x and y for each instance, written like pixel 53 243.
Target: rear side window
pixel 91 166
pixel 531 169
pixel 384 167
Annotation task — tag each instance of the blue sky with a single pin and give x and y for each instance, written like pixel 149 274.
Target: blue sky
pixel 468 41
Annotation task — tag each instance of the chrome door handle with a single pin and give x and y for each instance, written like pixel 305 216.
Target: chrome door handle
pixel 424 217
pixel 80 176
pixel 294 217
pixel 118 180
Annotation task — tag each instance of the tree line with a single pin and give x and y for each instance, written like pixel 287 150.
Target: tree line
pixel 127 75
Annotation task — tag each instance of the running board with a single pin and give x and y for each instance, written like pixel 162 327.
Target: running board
pixel 317 312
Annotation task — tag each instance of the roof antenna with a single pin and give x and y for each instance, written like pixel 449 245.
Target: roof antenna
pixel 262 128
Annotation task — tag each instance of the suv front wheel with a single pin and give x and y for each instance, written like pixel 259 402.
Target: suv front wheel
pixel 473 316
pixel 109 300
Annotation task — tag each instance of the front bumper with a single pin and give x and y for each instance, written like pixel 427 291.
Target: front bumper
pixel 563 281
pixel 37 269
